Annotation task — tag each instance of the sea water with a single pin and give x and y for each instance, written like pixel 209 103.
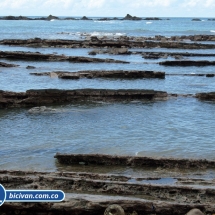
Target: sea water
pixel 180 127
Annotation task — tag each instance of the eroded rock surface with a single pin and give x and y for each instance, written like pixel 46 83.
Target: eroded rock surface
pixel 55 96
pixel 210 96
pixel 99 159
pixel 188 63
pixel 130 74
pixel 2 64
pixel 90 193
pixel 37 56
pixel 123 42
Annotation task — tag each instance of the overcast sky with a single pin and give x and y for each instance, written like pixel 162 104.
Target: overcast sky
pixel 111 8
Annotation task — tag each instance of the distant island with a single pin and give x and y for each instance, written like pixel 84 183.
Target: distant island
pixel 51 17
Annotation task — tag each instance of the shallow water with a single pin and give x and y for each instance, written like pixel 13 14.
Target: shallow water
pixel 174 128
pixel 179 127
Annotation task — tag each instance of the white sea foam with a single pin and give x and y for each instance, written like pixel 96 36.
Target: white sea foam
pixel 105 34
pixel 148 23
pixel 107 21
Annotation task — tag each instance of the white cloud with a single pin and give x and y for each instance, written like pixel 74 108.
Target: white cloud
pixel 155 3
pixel 198 3
pixel 210 3
pixel 105 7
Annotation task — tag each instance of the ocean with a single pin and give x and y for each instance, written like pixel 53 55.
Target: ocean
pixel 180 127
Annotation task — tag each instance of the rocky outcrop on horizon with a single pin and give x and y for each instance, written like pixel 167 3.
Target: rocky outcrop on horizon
pixel 85 18
pixel 133 18
pixel 196 19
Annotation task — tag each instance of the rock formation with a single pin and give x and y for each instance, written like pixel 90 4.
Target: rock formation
pixel 55 96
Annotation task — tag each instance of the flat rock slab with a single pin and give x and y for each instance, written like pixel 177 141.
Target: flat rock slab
pixel 210 96
pixel 112 185
pixel 108 43
pixel 55 96
pixel 176 55
pixel 83 194
pixel 82 204
pixel 131 74
pixel 37 56
pixel 209 75
pixel 188 63
pixel 99 159
pixel 2 64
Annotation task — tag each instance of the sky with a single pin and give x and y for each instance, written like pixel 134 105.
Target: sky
pixel 109 8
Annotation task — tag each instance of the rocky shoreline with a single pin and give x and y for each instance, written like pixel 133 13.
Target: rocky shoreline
pixel 92 193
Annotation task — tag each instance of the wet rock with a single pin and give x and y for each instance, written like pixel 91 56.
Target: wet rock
pixel 114 210
pixel 15 18
pixel 69 76
pixel 104 190
pixel 152 18
pixel 99 159
pixel 41 109
pixel 178 57
pixel 69 18
pixel 188 63
pixel 196 19
pixel 30 67
pixel 40 73
pixel 53 75
pixel 55 96
pixel 123 74
pixel 210 75
pixel 157 55
pixel 2 64
pixel 104 19
pixel 121 51
pixel 195 212
pixel 92 53
pixel 111 43
pixel 206 96
pixel 82 204
pixel 133 18
pixel 36 56
pixel 154 55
